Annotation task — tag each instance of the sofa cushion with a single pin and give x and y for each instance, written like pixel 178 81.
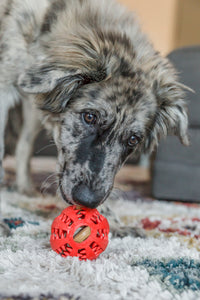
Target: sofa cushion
pixel 176 170
pixel 187 62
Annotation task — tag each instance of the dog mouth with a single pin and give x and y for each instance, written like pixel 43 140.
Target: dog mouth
pixel 65 198
pixel 70 201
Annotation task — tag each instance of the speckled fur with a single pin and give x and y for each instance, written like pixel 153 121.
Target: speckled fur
pixel 75 56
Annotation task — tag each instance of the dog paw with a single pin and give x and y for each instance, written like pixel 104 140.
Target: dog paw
pixel 123 231
pixel 117 228
pixel 28 190
pixel 4 229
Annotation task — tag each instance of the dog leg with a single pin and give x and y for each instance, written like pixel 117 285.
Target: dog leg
pixel 4 229
pixel 25 145
pixel 8 97
pixel 3 119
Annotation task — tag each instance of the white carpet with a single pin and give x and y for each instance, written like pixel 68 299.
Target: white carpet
pixel 130 268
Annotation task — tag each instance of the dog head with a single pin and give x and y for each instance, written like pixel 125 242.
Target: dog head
pixel 104 101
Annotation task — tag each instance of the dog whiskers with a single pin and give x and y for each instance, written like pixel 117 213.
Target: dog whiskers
pixel 115 192
pixel 43 191
pixel 46 184
pixel 60 192
pixel 45 147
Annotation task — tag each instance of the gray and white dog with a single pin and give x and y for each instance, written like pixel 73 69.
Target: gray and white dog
pixel 103 91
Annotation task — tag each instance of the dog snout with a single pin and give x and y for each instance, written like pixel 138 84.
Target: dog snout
pixel 83 195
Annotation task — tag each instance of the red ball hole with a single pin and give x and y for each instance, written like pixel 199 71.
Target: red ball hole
pixel 81 234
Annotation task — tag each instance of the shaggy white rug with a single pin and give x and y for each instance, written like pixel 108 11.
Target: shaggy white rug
pixel 165 265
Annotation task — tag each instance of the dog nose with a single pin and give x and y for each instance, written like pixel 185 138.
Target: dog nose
pixel 84 196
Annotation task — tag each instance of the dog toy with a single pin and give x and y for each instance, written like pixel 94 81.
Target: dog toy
pixel 79 231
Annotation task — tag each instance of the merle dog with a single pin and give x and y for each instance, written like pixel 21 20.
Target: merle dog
pixel 102 89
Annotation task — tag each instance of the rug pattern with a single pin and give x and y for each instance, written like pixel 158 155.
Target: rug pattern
pixel 165 265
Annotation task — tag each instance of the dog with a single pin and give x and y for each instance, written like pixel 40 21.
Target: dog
pixel 101 89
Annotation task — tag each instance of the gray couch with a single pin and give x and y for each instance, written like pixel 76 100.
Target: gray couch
pixel 176 169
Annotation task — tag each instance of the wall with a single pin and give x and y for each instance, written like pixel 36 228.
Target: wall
pixel 189 28
pixel 169 23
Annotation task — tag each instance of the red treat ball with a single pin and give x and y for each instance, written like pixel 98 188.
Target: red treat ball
pixel 79 231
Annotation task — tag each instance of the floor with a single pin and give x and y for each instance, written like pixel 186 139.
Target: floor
pixel 129 179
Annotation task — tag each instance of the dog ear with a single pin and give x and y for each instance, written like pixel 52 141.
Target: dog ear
pixel 40 78
pixel 171 114
pixel 54 86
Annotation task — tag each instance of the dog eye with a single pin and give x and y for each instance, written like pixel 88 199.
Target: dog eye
pixel 89 118
pixel 133 141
